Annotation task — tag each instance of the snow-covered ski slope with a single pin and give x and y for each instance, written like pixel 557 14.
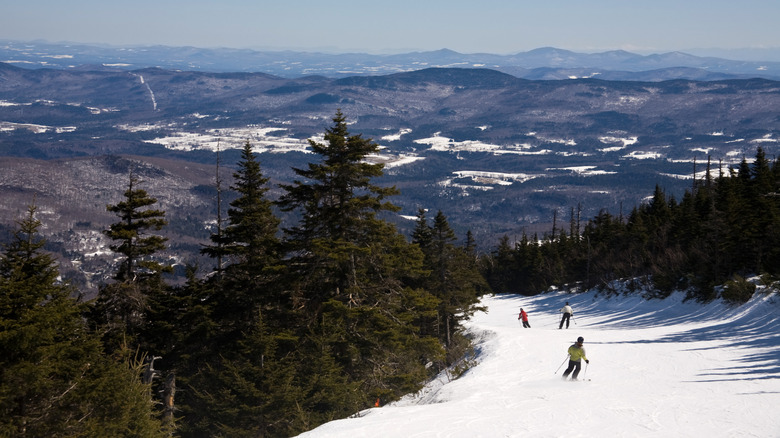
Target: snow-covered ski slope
pixel 658 368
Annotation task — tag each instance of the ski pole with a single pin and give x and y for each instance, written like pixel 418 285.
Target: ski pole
pixel 564 361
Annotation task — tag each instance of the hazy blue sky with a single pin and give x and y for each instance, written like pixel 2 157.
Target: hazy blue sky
pixel 494 26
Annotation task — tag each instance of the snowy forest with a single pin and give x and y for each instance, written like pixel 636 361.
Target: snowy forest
pixel 296 326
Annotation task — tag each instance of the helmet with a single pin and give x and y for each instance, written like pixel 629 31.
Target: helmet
pixel 580 339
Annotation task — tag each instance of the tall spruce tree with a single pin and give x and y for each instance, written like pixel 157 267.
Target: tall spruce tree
pixel 339 206
pixel 121 309
pixel 422 234
pixel 131 233
pixel 351 277
pixel 240 375
pixel 250 247
pixel 250 237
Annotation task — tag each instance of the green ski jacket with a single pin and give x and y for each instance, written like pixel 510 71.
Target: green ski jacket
pixel 577 353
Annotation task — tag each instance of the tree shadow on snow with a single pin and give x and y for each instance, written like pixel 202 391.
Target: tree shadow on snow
pixel 753 327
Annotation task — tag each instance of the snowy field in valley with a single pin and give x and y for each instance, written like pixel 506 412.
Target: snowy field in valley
pixel 659 368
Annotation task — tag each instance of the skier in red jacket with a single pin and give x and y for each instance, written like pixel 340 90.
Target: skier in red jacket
pixel 524 317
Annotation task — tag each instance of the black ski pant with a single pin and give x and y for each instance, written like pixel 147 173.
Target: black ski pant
pixel 526 324
pixel 574 365
pixel 565 318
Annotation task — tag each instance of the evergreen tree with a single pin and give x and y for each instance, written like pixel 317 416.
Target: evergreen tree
pixel 352 275
pixel 121 307
pixel 763 211
pixel 454 279
pixel 55 380
pixel 422 234
pixel 471 245
pixel 526 259
pixel 128 311
pixel 131 233
pixel 339 206
pixel 240 377
pixel 499 268
pixel 246 388
pixel 182 330
pixel 250 243
pixel 250 237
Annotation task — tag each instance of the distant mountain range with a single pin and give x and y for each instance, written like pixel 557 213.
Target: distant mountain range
pixel 497 154
pixel 542 63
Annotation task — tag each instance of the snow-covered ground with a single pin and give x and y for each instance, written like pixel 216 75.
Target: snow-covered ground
pixel 660 368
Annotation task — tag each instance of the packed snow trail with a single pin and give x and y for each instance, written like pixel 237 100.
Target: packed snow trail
pixel 148 88
pixel 659 368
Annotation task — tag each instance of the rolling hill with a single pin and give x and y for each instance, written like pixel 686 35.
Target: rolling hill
pixel 499 155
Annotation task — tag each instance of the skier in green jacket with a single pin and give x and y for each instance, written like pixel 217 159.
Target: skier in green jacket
pixel 576 354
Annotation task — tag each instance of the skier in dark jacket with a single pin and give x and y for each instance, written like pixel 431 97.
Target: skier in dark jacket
pixel 524 317
pixel 576 354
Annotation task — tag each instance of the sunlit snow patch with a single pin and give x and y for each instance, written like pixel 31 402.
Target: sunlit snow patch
pixel 445 144
pixel 391 161
pixel 145 127
pixel 765 139
pixel 620 142
pixel 583 170
pixel 699 175
pixel 396 137
pixel 522 149
pixel 738 154
pixel 563 141
pixel 484 181
pixel 643 155
pixel 233 138
pixel 7 103
pixel 495 178
pixel 36 129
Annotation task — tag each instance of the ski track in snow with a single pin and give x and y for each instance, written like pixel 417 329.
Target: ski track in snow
pixel 151 93
pixel 659 368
